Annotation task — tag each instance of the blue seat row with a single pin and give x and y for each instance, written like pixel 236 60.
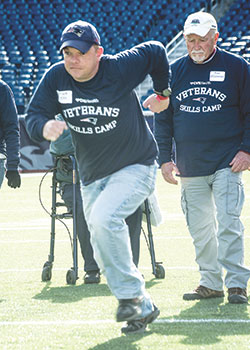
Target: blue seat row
pixel 30 30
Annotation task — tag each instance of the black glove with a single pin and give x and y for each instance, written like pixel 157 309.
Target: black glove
pixel 14 179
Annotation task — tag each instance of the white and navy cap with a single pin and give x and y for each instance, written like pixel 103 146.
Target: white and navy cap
pixel 81 35
pixel 199 23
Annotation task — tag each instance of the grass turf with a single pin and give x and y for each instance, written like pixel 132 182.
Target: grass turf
pixel 54 315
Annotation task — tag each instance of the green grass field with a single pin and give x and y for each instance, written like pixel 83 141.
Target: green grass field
pixel 54 315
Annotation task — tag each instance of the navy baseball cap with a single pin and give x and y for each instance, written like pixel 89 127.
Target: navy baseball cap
pixel 81 35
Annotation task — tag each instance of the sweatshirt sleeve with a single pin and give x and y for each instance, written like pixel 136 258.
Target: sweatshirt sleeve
pixel 146 58
pixel 245 104
pixel 10 127
pixel 43 106
pixel 164 134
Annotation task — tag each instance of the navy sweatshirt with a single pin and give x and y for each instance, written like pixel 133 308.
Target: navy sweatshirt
pixel 9 128
pixel 208 116
pixel 103 114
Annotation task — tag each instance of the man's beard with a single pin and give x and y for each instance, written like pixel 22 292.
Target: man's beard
pixel 198 56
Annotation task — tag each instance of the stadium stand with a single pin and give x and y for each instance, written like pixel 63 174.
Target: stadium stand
pixel 30 31
pixel 235 33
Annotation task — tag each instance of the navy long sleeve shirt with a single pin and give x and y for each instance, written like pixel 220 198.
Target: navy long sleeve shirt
pixel 105 118
pixel 209 114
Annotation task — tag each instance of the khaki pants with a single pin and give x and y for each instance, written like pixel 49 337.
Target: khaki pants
pixel 212 206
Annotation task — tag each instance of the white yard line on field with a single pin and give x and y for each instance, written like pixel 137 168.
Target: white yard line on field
pixel 17 226
pixel 38 240
pixel 189 268
pixel 31 270
pixel 24 228
pixel 203 320
pixel 108 321
pixel 31 241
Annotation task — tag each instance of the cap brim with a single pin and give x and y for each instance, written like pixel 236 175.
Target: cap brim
pixel 201 31
pixel 82 46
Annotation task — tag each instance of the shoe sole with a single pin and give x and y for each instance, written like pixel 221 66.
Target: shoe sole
pixel 237 299
pixel 92 282
pixel 153 316
pixel 199 297
pixel 148 319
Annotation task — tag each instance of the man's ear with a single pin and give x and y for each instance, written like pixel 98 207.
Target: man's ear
pixel 100 51
pixel 216 37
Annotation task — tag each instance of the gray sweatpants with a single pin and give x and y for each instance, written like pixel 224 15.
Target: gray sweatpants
pixel 212 206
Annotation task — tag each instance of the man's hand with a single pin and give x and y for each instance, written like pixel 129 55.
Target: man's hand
pixel 240 162
pixel 53 129
pixel 14 179
pixel 167 170
pixel 156 105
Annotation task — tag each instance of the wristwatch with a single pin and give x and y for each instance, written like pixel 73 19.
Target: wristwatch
pixel 165 93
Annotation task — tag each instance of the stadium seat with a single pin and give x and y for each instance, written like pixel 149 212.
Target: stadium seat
pixel 246 56
pixel 226 45
pixel 30 30
pixel 3 59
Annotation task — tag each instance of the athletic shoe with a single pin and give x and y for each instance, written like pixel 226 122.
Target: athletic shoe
pixel 91 277
pixel 139 326
pixel 237 296
pixel 129 309
pixel 202 292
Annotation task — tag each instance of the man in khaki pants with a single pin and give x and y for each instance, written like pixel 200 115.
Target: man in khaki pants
pixel 209 119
